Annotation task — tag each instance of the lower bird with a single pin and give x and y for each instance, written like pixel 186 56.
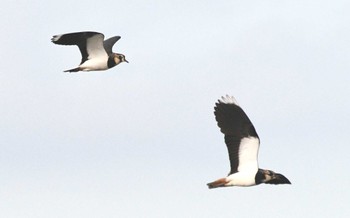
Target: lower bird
pixel 95 51
pixel 242 143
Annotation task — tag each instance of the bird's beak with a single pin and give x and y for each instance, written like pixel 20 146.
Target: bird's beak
pixel 126 61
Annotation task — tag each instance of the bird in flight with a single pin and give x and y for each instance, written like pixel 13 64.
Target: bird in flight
pixel 242 143
pixel 96 52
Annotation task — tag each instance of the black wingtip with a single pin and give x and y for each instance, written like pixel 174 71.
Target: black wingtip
pixel 282 179
pixel 72 70
pixel 278 179
pixel 210 186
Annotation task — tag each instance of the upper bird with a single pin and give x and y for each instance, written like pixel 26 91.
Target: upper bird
pixel 96 53
pixel 242 143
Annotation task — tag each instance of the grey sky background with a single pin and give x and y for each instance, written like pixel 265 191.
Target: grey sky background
pixel 140 140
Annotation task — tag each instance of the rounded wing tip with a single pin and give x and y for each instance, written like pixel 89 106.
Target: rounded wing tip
pixel 228 100
pixel 55 38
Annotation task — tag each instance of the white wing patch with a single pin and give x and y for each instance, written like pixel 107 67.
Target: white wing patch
pixel 228 100
pixel 56 38
pixel 248 154
pixel 94 47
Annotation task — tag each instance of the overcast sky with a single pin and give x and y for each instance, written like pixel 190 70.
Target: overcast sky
pixel 140 140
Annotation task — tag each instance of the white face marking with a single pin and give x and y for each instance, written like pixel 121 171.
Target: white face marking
pixel 94 47
pixel 117 60
pixel 248 154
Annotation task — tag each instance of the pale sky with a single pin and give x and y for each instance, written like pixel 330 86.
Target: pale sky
pixel 140 140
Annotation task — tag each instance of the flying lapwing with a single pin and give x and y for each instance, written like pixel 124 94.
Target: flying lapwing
pixel 96 52
pixel 242 143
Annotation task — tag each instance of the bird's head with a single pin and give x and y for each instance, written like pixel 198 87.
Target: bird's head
pixel 118 58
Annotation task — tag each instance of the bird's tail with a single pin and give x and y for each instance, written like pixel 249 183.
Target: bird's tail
pixel 217 183
pixel 73 70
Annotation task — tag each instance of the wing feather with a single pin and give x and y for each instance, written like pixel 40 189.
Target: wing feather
pixel 90 43
pixel 108 44
pixel 237 128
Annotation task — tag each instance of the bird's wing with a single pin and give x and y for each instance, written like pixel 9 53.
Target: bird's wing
pixel 108 43
pixel 90 43
pixel 278 179
pixel 241 139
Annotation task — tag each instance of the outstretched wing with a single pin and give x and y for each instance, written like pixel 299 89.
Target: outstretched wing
pixel 90 43
pixel 241 139
pixel 108 43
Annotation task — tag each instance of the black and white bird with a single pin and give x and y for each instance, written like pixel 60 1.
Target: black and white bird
pixel 242 143
pixel 95 51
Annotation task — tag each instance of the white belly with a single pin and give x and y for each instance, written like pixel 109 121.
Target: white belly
pixel 94 64
pixel 242 179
